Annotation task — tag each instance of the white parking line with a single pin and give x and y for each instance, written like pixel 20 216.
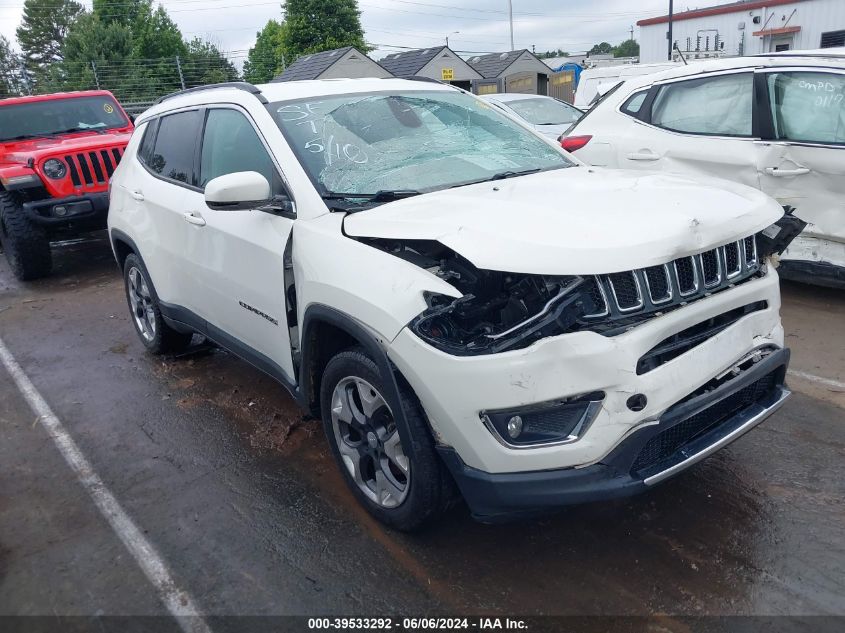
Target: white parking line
pixel 177 601
pixel 827 382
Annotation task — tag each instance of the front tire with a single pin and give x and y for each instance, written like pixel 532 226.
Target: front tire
pixel 26 244
pixel 155 334
pixel 403 485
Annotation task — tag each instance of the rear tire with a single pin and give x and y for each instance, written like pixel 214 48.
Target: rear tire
pixel 403 485
pixel 155 334
pixel 24 242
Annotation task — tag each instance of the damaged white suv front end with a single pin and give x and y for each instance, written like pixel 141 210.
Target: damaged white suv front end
pixel 457 298
pixel 586 355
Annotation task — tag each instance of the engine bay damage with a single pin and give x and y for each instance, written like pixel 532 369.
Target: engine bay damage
pixel 501 311
pixel 498 311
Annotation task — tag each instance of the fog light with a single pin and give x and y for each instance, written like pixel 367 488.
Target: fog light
pixel 515 426
pixel 546 423
pixel 60 211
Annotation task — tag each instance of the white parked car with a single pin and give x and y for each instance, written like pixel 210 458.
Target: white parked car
pixel 774 122
pixel 549 116
pixel 594 82
pixel 389 251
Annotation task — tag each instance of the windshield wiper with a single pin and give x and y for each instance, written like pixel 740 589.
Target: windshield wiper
pixel 98 130
pixel 360 201
pixel 499 176
pixel 21 137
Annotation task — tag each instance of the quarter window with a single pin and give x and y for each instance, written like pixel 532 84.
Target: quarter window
pixel 175 147
pixel 145 151
pixel 230 144
pixel 634 103
pixel 807 106
pixel 718 106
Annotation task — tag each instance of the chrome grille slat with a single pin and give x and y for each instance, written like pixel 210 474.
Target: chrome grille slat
pixel 626 291
pixel 676 283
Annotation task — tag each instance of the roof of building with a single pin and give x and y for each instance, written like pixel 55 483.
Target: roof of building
pixel 494 64
pixel 409 63
pixel 732 7
pixel 313 65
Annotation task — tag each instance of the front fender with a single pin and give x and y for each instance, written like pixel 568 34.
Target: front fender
pixel 373 287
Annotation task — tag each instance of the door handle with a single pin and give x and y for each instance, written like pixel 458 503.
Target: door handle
pixel 137 195
pixel 194 218
pixel 774 171
pixel 643 156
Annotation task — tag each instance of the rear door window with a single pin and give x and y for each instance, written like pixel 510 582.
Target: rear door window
pixel 807 106
pixel 175 147
pixel 716 106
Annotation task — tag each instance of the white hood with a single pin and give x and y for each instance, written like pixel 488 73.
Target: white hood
pixel 580 220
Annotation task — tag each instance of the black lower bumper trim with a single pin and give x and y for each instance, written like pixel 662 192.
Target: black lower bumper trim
pixel 91 207
pixel 815 273
pixel 501 496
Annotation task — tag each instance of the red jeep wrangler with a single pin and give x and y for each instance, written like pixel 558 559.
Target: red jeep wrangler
pixel 57 153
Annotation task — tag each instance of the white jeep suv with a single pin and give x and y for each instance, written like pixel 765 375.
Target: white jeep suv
pixel 457 298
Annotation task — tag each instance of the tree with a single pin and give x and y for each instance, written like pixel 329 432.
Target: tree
pixel 97 46
pixel 312 26
pixel 266 59
pixel 43 30
pixel 628 48
pixel 10 70
pixel 205 64
pixel 549 54
pixel 601 49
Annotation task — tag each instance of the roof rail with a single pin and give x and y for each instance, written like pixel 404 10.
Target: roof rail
pixel 238 85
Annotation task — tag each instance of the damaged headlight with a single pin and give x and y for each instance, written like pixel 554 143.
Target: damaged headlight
pixel 523 311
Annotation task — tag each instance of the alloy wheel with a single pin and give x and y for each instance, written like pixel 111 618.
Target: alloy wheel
pixel 141 303
pixel 369 443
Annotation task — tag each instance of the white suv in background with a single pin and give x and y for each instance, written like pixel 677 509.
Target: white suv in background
pixel 774 122
pixel 389 251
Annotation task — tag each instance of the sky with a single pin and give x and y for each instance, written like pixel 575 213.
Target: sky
pixel 390 25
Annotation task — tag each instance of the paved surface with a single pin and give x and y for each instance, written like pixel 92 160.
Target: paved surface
pixel 238 494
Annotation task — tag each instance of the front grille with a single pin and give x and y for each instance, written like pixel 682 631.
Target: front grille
pixel 665 447
pixel 624 296
pixel 94 168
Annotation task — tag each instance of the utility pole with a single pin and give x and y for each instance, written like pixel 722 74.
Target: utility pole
pixel 179 68
pixel 670 30
pixel 632 32
pixel 96 79
pixel 510 19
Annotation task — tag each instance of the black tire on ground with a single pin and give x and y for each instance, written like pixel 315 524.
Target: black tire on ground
pixel 25 243
pixel 159 338
pixel 430 487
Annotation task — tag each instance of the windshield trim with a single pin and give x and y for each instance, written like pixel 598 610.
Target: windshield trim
pixel 324 192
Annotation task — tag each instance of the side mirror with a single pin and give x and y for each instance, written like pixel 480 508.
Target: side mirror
pixel 238 192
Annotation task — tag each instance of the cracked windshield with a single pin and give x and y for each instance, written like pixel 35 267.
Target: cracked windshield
pixel 415 141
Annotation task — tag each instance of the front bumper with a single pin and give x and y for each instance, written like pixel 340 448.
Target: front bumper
pixel 684 435
pixel 91 208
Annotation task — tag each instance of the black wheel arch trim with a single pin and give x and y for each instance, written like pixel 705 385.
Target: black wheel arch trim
pixel 319 313
pixel 117 234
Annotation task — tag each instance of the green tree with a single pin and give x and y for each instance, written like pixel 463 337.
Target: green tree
pixel 97 52
pixel 601 49
pixel 312 26
pixel 11 83
pixel 266 59
pixel 205 64
pixel 628 48
pixel 42 32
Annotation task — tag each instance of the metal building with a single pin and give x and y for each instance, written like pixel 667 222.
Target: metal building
pixel 745 28
pixel 340 63
pixel 439 63
pixel 513 71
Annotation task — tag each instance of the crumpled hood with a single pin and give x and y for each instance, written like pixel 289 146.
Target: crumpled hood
pixel 580 220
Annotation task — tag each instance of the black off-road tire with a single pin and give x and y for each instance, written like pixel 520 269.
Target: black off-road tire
pixel 431 489
pixel 163 339
pixel 25 244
